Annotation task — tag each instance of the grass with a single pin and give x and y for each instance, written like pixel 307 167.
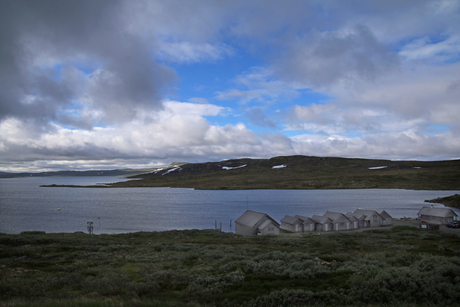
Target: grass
pixel 449 201
pixel 208 268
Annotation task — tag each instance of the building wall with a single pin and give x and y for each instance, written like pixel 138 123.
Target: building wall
pixel 270 229
pixel 375 220
pixel 442 220
pixel 288 227
pixel 324 227
pixel 341 226
pixel 244 230
pixel 296 227
pixel 387 221
pixel 341 223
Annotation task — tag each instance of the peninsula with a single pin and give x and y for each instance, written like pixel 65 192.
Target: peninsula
pixel 303 172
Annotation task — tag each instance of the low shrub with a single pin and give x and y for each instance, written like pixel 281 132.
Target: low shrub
pixel 384 268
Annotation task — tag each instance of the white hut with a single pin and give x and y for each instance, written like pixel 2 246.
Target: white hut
pixel 369 217
pixel 322 223
pixel 339 220
pixel 252 223
pixel 308 223
pixel 437 215
pixel 292 223
pixel 386 218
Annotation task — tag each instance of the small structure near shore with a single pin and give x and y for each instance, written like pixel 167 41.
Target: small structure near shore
pixel 292 223
pixel 371 217
pixel 437 215
pixel 252 223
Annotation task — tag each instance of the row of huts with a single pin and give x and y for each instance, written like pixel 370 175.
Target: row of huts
pixel 257 223
pixel 335 221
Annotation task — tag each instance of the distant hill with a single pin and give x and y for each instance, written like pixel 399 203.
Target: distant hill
pixel 116 172
pixel 305 172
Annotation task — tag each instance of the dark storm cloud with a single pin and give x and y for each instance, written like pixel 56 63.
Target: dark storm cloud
pixel 49 48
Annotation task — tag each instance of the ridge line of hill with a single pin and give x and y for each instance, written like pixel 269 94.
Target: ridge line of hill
pixel 304 172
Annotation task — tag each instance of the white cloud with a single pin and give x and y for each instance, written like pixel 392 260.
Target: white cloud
pixel 179 132
pixel 186 52
pixel 423 48
pixel 397 146
pixel 258 85
pixel 93 81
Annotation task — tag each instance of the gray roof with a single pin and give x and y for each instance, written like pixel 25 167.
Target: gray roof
pixel 251 218
pixel 437 211
pixel 290 219
pixel 335 215
pixel 385 214
pixel 370 211
pixel 321 219
pixel 366 212
pixel 268 222
pixel 353 217
pixel 305 219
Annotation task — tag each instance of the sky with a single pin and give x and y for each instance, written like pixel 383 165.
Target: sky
pixel 104 84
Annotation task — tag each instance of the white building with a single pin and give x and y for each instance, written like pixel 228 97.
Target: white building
pixel 437 215
pixel 252 223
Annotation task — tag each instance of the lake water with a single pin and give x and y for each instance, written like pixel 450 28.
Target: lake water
pixel 25 206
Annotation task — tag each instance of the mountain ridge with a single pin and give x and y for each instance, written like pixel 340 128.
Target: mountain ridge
pixel 304 172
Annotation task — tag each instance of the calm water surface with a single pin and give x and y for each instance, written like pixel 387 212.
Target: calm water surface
pixel 25 206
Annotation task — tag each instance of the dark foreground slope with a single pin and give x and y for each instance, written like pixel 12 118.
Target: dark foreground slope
pixel 304 172
pixel 399 267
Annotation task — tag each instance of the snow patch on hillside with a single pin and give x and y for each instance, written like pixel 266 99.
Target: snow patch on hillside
pixel 279 166
pixel 229 168
pixel 171 170
pixel 378 167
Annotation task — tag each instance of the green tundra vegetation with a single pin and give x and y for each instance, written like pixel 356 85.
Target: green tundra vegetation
pixel 403 266
pixel 448 201
pixel 305 172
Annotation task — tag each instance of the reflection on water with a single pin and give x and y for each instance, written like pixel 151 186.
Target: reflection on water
pixel 25 206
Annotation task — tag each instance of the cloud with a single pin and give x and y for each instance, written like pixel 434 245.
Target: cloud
pixel 258 118
pixel 258 85
pixel 397 146
pixel 439 51
pixel 56 54
pixel 428 93
pixel 90 81
pixel 186 52
pixel 179 131
pixel 320 60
